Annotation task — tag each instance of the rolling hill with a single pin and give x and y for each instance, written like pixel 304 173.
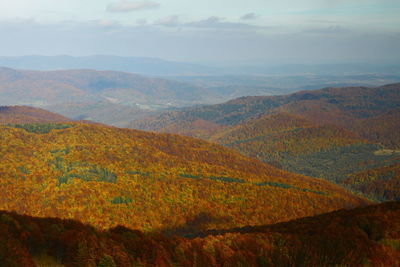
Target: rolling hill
pixel 64 86
pixel 108 176
pixel 330 133
pixel 317 106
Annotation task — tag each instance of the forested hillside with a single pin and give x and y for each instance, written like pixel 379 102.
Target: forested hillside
pixel 327 105
pixel 332 133
pixel 107 176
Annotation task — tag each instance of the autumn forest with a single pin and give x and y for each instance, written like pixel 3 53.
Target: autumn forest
pixel 306 179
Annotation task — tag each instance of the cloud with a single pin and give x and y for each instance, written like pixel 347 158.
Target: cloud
pixel 209 23
pixel 219 23
pixel 127 6
pixel 168 21
pixel 249 16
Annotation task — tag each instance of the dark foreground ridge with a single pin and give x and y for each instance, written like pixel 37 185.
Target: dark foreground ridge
pixel 363 236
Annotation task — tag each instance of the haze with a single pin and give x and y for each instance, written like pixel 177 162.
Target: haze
pixel 305 31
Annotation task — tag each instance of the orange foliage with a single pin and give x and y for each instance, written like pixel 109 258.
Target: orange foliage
pixel 108 176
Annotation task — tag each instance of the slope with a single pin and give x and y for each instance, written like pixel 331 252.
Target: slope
pixel 108 176
pixel 380 183
pixel 383 129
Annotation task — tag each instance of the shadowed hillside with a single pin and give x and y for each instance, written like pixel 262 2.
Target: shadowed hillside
pixel 359 237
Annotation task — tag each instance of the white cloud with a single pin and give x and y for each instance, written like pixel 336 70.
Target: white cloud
pixel 208 23
pixel 127 6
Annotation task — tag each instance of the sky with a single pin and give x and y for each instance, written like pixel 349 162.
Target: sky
pixel 233 31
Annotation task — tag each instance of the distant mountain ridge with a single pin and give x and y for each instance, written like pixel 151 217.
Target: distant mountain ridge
pixel 157 66
pixel 55 87
pixel 142 65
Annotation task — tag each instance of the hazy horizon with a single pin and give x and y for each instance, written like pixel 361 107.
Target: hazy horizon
pixel 255 31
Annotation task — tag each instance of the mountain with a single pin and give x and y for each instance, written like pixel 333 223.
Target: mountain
pixel 24 114
pixel 107 176
pixel 332 133
pixel 358 237
pixel 143 65
pixel 239 85
pixel 43 88
pixel 356 102
pixel 112 97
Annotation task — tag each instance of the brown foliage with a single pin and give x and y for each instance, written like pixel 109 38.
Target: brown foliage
pixel 359 237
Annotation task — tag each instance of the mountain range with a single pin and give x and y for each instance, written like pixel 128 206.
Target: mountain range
pixel 143 65
pixel 116 98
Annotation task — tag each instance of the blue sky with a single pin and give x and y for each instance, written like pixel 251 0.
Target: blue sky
pixel 302 31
